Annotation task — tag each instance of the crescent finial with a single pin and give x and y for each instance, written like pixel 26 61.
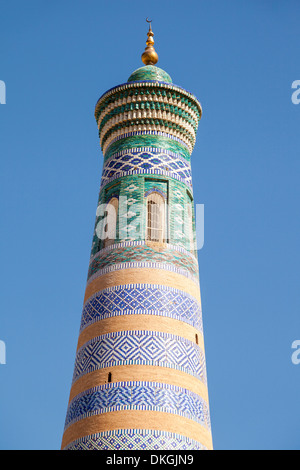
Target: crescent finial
pixel 149 57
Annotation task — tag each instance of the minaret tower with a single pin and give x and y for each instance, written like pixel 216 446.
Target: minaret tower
pixel 139 378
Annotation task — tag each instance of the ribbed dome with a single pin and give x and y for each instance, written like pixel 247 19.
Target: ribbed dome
pixel 150 72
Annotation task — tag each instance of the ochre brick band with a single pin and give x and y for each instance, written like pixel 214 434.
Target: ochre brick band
pixel 141 322
pixel 135 419
pixel 136 373
pixel 143 275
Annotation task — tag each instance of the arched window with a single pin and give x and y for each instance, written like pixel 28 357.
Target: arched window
pixel 155 217
pixel 110 222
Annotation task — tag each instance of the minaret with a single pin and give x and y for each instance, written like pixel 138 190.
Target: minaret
pixel 139 378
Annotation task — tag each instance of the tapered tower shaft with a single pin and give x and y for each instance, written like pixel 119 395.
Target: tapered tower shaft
pixel 139 378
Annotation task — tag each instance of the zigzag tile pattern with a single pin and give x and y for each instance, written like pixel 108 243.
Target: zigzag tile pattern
pixel 138 396
pixel 140 347
pixel 135 439
pixel 146 299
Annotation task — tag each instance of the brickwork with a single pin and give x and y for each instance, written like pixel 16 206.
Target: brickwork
pixel 139 378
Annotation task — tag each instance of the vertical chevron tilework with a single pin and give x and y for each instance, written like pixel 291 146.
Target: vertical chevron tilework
pixel 138 395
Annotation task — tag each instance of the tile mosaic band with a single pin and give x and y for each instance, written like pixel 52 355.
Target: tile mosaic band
pixel 140 396
pixel 135 299
pixel 135 439
pixel 140 347
pixel 143 256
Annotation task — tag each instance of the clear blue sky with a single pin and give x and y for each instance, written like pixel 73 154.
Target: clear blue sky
pixel 239 58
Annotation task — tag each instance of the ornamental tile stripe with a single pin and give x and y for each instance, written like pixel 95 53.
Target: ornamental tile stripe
pixel 133 162
pixel 148 94
pixel 142 299
pixel 150 84
pixel 145 133
pixel 146 109
pixel 133 104
pixel 151 396
pixel 184 129
pixel 153 150
pixel 140 347
pixel 150 133
pixel 142 265
pixel 143 256
pixel 161 127
pixel 135 439
pixel 134 243
pixel 160 172
pixel 137 141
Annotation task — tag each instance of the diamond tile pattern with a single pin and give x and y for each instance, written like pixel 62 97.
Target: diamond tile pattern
pixel 144 299
pixel 140 347
pixel 135 439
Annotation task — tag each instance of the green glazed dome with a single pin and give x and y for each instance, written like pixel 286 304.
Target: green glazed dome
pixel 150 72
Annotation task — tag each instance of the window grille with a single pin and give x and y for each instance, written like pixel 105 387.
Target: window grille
pixel 155 217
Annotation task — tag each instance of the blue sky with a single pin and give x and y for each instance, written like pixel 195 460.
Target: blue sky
pixel 240 59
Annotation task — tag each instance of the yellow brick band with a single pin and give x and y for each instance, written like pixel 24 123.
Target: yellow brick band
pixel 143 276
pixel 136 419
pixel 141 322
pixel 133 372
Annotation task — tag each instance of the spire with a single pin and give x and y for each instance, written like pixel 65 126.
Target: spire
pixel 149 56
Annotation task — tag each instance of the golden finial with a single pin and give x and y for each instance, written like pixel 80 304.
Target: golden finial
pixel 149 56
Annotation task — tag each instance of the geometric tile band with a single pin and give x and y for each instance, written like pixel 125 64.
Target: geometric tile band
pixel 146 299
pixel 138 396
pixel 146 161
pixel 134 111
pixel 143 276
pixel 142 265
pixel 140 347
pixel 135 439
pixel 168 246
pixel 144 256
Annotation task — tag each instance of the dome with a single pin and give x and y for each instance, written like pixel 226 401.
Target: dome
pixel 150 72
